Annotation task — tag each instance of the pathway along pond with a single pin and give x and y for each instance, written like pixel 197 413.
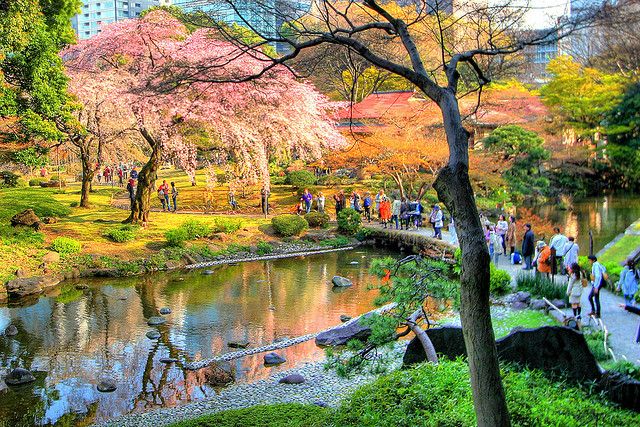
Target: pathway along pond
pixel 77 337
pixel 607 216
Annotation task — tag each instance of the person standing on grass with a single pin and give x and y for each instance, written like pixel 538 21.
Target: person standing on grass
pixel 366 204
pixel 161 197
pixel 502 226
pixel 395 211
pixel 320 200
pixel 511 235
pixel 120 176
pixel 438 222
pixel 174 196
pixel 577 281
pixel 232 200
pixel 598 281
pixel 628 283
pixel 166 192
pixel 307 198
pixel 131 189
pixel 571 251
pixel 528 247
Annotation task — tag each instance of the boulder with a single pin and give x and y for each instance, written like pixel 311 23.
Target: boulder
pixel 24 286
pixel 11 331
pixel 292 379
pixel 559 303
pixel 520 296
pixel 106 386
pixel 519 305
pixel 156 320
pixel 447 340
pixel 218 374
pixel 27 218
pixel 153 334
pixel 537 304
pixel 341 281
pixel 271 359
pixel 344 318
pixel 165 310
pixel 621 389
pixel 551 349
pixel 19 376
pixel 341 334
pixel 51 257
pixel 238 344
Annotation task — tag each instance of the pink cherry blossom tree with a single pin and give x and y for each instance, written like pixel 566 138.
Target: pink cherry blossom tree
pixel 273 117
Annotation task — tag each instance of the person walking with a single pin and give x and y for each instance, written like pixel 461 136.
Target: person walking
pixel 432 219
pixel 395 211
pixel 544 258
pixel 598 281
pixel 366 204
pixel 120 176
pixel 161 197
pixel 502 226
pixel 571 251
pixel 356 202
pixel 577 282
pixel 385 211
pixel 511 235
pixel 134 173
pixel 628 283
pixel 438 222
pixel 174 196
pixel 404 214
pixel 340 201
pixel 378 200
pixel 131 189
pixel 166 192
pixel 528 247
pixel 307 198
pixel 495 246
pixel 320 201
pixel 557 244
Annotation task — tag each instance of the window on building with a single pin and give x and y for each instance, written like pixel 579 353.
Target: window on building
pixel 86 24
pixel 97 4
pixel 137 5
pixel 86 15
pixel 98 13
pixel 86 33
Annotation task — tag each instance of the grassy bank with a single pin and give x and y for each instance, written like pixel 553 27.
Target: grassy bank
pixel 439 395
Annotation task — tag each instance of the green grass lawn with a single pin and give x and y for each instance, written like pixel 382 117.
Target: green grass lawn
pixel 621 250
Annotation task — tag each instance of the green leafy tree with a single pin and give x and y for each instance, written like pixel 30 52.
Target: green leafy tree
pixel 32 157
pixel 581 96
pixel 525 151
pixel 623 148
pixel 32 79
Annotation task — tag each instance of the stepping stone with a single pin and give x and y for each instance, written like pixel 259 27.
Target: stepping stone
pixel 153 335
pixel 165 310
pixel 168 360
pixel 19 376
pixel 107 386
pixel 156 320
pixel 341 282
pixel 292 379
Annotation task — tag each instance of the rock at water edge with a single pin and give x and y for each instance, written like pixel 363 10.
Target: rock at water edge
pixel 19 376
pixel 273 359
pixel 341 281
pixel 153 335
pixel 11 331
pixel 165 310
pixel 156 320
pixel 342 334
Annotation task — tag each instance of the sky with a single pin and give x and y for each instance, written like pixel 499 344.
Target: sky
pixel 543 13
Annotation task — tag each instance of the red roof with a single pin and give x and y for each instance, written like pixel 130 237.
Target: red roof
pixel 380 104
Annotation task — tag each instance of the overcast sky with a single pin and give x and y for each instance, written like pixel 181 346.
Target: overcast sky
pixel 543 13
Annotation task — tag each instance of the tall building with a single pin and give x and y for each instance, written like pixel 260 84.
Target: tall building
pixel 266 16
pixel 96 13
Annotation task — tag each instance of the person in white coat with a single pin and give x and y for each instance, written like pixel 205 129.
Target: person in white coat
pixel 438 222
pixel 571 251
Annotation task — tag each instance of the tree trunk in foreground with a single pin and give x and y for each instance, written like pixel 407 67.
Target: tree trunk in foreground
pixel 87 173
pixel 454 189
pixel 146 182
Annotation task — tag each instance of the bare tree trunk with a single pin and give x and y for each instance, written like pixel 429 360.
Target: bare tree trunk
pixel 87 177
pixel 454 189
pixel 146 181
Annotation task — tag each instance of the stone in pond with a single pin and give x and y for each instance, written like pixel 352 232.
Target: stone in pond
pixel 19 376
pixel 292 379
pixel 165 310
pixel 168 360
pixel 107 386
pixel 207 272
pixel 156 320
pixel 219 374
pixel 341 281
pixel 273 359
pixel 153 335
pixel 11 331
pixel 344 318
pixel 238 344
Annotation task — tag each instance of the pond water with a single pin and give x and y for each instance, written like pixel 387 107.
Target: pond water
pixel 606 216
pixel 75 338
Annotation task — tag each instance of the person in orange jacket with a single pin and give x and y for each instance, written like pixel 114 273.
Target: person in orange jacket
pixel 544 258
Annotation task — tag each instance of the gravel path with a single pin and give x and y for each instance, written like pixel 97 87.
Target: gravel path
pixel 320 386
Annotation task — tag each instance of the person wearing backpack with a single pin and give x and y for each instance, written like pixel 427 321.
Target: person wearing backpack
pixel 628 283
pixel 599 280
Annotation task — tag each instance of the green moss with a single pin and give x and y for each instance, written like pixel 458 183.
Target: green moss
pixel 502 325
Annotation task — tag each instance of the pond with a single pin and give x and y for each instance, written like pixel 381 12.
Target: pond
pixel 606 216
pixel 75 338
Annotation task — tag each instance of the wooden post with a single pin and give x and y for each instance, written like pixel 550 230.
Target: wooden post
pixel 590 243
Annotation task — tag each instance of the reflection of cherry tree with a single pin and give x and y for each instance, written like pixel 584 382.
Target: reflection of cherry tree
pixel 273 117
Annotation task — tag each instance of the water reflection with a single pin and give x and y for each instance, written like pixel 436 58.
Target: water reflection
pixel 72 338
pixel 606 216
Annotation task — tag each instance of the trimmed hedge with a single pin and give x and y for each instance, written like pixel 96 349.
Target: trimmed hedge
pixel 289 225
pixel 300 179
pixel 349 221
pixel 317 219
pixel 66 245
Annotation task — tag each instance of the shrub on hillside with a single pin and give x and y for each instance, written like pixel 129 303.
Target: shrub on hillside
pixel 66 245
pixel 121 234
pixel 35 182
pixel 540 286
pixel 500 282
pixel 176 237
pixel 301 179
pixel 317 219
pixel 349 221
pixel 195 229
pixel 9 179
pixel 226 225
pixel 289 225
pixel 264 248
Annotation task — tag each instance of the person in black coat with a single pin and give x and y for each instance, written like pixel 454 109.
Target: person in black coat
pixel 528 246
